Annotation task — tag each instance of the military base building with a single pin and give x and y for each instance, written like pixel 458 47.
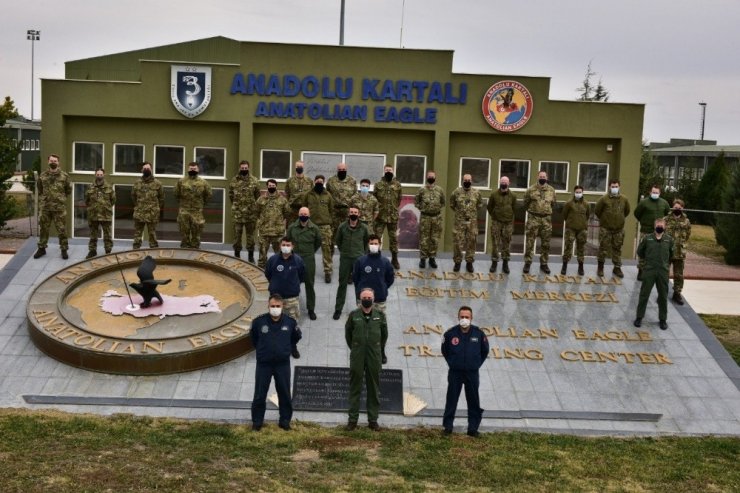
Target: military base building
pixel 217 101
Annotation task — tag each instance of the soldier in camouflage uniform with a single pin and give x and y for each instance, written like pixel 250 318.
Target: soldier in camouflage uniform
pixel 388 192
pixel 430 200
pixel 539 200
pixel 54 188
pixel 678 226
pixel 465 202
pixel 100 199
pixel 367 204
pixel 244 190
pixel 193 193
pixel 611 209
pixel 147 195
pixel 575 215
pixel 321 205
pixel 272 209
pixel 341 187
pixel 501 205
pixel 294 186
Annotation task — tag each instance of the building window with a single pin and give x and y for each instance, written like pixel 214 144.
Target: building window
pixel 557 174
pixel 15 142
pixel 359 166
pixel 517 171
pixel 211 160
pixel 26 145
pixel 38 145
pixel 275 164
pixel 593 177
pixel 80 228
pixel 410 169
pixel 128 158
pixel 123 212
pixel 478 168
pixel 169 160
pixel 87 156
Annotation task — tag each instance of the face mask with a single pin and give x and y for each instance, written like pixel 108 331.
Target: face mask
pixel 53 165
pixel 98 180
pixel 353 217
pixel 659 229
pixel 466 184
pixel 542 181
pixel 367 303
pixel 431 181
pixel 364 189
pixel 275 311
pixel 299 171
pixel 244 172
pixel 615 190
pixel 374 248
pixel 341 175
pixel 464 322
pixel 388 176
pixel 286 249
pixel 579 196
pixel 503 186
pixel 303 219
pixel 654 196
pixel 271 189
pixel 146 173
pixel 318 187
pixel 677 212
pixel 193 173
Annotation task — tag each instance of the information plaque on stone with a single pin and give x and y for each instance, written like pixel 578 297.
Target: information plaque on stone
pixel 318 388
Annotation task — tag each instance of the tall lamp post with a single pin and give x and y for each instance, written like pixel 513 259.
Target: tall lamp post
pixel 703 118
pixel 32 35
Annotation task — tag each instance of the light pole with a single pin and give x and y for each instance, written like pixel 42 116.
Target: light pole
pixel 32 35
pixel 703 118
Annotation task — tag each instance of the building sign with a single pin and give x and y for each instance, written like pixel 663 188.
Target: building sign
pixel 321 98
pixel 507 106
pixel 190 89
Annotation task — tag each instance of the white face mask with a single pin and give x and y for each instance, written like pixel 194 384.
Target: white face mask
pixel 579 196
pixel 374 248
pixel 364 190
pixel 286 249
pixel 464 322
pixel 654 196
pixel 275 311
pixel 615 190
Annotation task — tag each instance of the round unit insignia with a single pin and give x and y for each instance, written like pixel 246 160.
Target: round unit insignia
pixel 265 329
pixel 507 106
pixel 368 269
pixel 280 268
pixel 455 341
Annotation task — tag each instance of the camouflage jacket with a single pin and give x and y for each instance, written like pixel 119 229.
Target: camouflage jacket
pixel 575 214
pixel 54 188
pixel 297 185
pixel 100 200
pixel 388 194
pixel 678 227
pixel 272 209
pixel 465 204
pixel 243 194
pixel 539 200
pixel 430 200
pixel 193 193
pixel 321 206
pixel 368 207
pixel 611 211
pixel 341 190
pixel 148 198
pixel 501 206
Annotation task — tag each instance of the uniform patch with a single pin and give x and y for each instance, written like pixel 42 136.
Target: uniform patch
pixel 368 269
pixel 284 328
pixel 265 329
pixel 455 341
pixel 280 268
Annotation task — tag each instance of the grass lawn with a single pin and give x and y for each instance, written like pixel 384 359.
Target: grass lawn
pixel 703 242
pixel 53 451
pixel 726 329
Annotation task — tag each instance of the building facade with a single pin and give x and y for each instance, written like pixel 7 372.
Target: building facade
pixel 27 135
pixel 690 159
pixel 217 101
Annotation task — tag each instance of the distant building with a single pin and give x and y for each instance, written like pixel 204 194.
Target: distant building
pixel 685 158
pixel 27 133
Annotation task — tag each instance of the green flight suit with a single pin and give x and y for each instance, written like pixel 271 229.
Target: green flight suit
pixel 306 241
pixel 352 244
pixel 366 335
pixel 647 211
pixel 656 255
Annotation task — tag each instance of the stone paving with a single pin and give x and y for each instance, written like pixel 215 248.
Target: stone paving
pixel 679 381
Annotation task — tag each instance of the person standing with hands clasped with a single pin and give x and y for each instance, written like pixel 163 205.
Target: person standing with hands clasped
pixel 465 348
pixel 655 251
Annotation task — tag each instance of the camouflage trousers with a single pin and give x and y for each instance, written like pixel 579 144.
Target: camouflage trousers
pixel 538 226
pixel 139 233
pixel 327 246
pixel 464 241
pixel 248 228
pixel 95 227
pixel 291 307
pixel 191 228
pixel 267 241
pixel 430 228
pixel 610 245
pixel 640 261
pixel 392 234
pixel 678 264
pixel 59 220
pixel 577 237
pixel 501 236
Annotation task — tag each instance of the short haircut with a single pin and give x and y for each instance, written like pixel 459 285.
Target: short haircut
pixel 614 181
pixel 365 180
pixel 285 238
pixel 193 164
pixel 659 220
pixel 53 155
pixel 272 180
pixel 465 308
pixel 145 163
pixel 577 187
pixel 432 172
pixel 655 185
pixel 319 177
pixel 243 161
pixel 99 168
pixel 679 202
pixel 373 237
pixel 276 297
pixel 366 288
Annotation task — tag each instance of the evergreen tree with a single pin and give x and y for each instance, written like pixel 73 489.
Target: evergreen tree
pixel 713 184
pixel 8 160
pixel 589 92
pixel 649 172
pixel 728 225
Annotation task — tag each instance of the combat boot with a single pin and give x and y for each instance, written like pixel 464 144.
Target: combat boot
pixel 618 272
pixel 564 270
pixel 505 267
pixel 545 268
pixel 677 298
pixel 580 269
pixel 40 252
pixel 527 265
pixel 237 253
pixel 432 263
pixel 92 253
pixel 422 263
pixel 394 261
pixel 469 267
pixel 64 254
pixel 494 264
pixel 600 269
pixel 251 256
pixel 456 267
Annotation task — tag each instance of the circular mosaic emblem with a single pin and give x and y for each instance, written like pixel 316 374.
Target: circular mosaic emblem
pixel 507 106
pixel 107 314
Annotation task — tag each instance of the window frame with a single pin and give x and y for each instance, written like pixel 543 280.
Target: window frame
pixel 567 173
pixel 606 180
pixel 74 156
pixel 211 177
pixel 488 176
pixel 74 199
pixel 115 161
pixel 154 161
pixel 529 172
pixel 424 166
pixel 264 178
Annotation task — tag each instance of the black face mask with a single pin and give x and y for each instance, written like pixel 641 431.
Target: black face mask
pixel 193 173
pixel 431 180
pixel 542 181
pixel 271 189
pixel 367 303
pixel 353 217
pixel 341 175
pixel 146 173
pixel 659 229
pixel 677 212
pixel 244 172
pixel 504 186
pixel 466 184
pixel 303 219
pixel 318 187
pixel 299 171
pixel 388 176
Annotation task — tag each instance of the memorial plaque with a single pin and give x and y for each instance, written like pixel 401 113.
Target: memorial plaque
pixel 318 388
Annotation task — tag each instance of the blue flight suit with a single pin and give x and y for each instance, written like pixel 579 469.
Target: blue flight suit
pixel 285 274
pixel 465 353
pixel 273 341
pixel 373 271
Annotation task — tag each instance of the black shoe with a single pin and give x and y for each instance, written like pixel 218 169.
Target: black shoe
pixel 637 322
pixel 107 251
pixel 447 431
pixel 663 325
pixel 394 262
pixel 250 257
pixel 350 281
pixel 312 314
pixel 544 268
pixel 639 274
pixel 327 278
pixel 284 426
pixel 373 425
pixel 618 272
pixel 580 269
pixel 91 254
pixel 336 315
pixel 564 269
pixel 432 263
pixel 677 298
pixel 422 263
pixel 469 267
pixel 351 426
pixel 39 253
pixel 295 353
pixel 527 265
pixel 64 254
pixel 494 264
pixel 456 267
pixel 256 427
pixel 474 433
pixel 505 267
pixel 237 253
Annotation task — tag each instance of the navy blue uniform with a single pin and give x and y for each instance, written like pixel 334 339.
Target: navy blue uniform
pixel 273 341
pixel 373 271
pixel 285 275
pixel 465 353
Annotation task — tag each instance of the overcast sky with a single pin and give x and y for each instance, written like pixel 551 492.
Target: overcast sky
pixel 667 54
